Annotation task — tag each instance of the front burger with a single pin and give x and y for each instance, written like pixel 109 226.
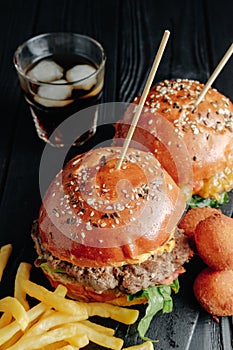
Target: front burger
pixel 109 234
pixel 206 131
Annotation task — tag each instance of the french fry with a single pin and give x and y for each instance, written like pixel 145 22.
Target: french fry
pixel 144 346
pixel 13 306
pixel 99 328
pixel 56 322
pixel 5 319
pixel 12 340
pixel 69 347
pixel 52 320
pixel 23 273
pixel 100 338
pixel 78 340
pixel 7 332
pixel 117 313
pixel 37 342
pixel 58 303
pixel 55 346
pixel 83 341
pixel 60 291
pixel 5 253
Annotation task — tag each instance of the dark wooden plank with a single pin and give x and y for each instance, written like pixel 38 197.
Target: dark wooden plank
pixel 142 25
pixel 219 37
pixel 13 15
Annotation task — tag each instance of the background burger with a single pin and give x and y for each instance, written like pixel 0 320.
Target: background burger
pixel 111 235
pixel 206 130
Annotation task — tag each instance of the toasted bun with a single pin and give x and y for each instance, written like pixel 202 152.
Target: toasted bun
pixel 213 238
pixel 81 293
pixel 213 290
pixel 93 215
pixel 206 131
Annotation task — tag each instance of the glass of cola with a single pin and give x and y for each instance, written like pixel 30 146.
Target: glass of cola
pixel 61 74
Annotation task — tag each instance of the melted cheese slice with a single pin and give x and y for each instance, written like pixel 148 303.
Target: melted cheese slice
pixel 220 182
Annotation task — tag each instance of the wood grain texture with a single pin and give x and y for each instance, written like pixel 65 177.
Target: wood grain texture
pixel 219 36
pixel 130 31
pixel 12 18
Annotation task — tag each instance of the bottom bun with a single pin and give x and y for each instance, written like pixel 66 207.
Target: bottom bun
pixel 81 293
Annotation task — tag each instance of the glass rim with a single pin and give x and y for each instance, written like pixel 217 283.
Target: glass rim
pixel 25 76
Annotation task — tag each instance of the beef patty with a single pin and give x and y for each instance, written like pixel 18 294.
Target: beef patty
pixel 160 268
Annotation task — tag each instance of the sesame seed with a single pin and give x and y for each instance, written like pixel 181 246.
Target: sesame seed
pixel 120 207
pixel 88 226
pixel 90 201
pixel 109 207
pixel 76 161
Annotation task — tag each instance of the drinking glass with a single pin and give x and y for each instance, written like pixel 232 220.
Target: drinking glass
pixel 61 74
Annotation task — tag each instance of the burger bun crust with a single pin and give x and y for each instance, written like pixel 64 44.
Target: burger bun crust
pixel 206 130
pixel 59 226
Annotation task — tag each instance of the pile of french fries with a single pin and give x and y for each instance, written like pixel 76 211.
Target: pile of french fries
pixel 56 322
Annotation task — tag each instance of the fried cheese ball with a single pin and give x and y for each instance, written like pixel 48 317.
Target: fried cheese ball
pixel 214 241
pixel 192 218
pixel 214 291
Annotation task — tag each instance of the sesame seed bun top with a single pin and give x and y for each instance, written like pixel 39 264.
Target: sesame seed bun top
pixel 93 215
pixel 206 130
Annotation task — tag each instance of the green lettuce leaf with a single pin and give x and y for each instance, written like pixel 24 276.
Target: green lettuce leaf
pixel 159 298
pixel 198 202
pixel 48 269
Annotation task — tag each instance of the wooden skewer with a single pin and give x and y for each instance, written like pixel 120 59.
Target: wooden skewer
pixel 143 97
pixel 215 74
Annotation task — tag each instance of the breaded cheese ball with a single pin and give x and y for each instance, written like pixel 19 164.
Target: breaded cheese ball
pixel 214 291
pixel 192 218
pixel 214 241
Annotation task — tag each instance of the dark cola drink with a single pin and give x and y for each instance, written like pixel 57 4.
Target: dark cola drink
pixel 60 86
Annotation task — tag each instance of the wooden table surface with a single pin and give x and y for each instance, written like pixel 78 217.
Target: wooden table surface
pixel 130 32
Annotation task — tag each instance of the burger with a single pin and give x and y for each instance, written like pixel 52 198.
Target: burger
pixel 111 234
pixel 206 130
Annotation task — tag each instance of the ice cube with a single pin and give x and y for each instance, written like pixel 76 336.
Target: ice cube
pixel 95 91
pixel 54 96
pixel 80 72
pixel 46 71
